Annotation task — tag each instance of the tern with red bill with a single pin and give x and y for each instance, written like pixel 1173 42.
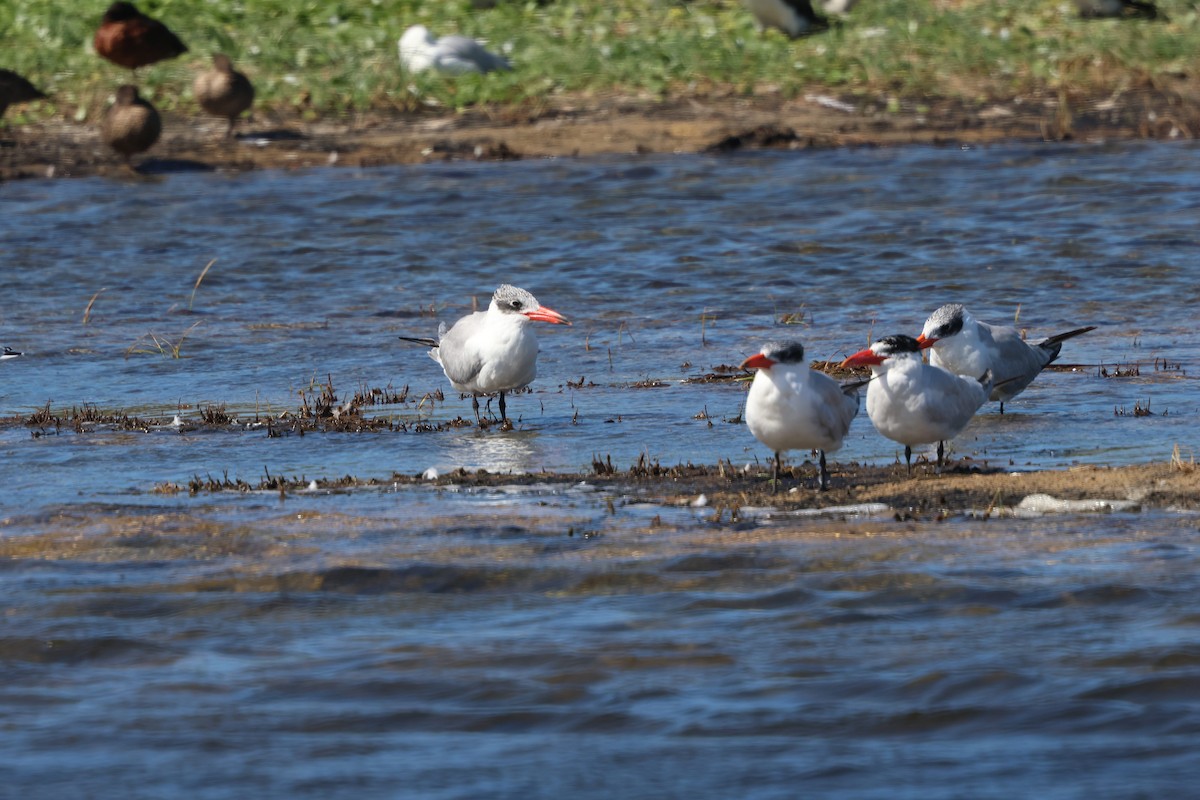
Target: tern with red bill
pixel 960 343
pixel 790 407
pixel 493 351
pixel 912 402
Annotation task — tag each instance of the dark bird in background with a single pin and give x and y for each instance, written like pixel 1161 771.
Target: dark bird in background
pixel 1099 9
pixel 486 4
pixel 223 91
pixel 793 17
pixel 15 89
pixel 130 39
pixel 131 125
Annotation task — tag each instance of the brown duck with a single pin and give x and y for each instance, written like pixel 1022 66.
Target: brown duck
pixel 15 89
pixel 223 91
pixel 130 39
pixel 131 125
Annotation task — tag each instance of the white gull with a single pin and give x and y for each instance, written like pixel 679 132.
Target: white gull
pixel 420 50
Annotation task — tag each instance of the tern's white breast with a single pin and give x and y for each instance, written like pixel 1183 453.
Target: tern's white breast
pixel 912 403
pixel 793 408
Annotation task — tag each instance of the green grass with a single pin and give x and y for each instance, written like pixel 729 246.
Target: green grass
pixel 328 58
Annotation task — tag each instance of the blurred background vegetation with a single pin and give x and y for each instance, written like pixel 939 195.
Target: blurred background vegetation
pixel 321 58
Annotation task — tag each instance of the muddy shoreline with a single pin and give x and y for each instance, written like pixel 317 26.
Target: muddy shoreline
pixel 728 490
pixel 1168 108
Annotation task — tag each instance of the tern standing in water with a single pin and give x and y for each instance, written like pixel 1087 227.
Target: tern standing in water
pixel 965 346
pixel 790 407
pixel 493 351
pixel 913 403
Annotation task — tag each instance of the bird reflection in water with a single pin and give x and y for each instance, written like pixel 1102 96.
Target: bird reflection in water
pixel 515 451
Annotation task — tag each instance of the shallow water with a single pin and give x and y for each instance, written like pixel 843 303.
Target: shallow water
pixel 495 646
pixel 536 642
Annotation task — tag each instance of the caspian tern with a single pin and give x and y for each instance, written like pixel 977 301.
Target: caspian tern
pixel 8 353
pixel 790 407
pixel 495 350
pixel 793 17
pixel 965 346
pixel 912 402
pixel 452 54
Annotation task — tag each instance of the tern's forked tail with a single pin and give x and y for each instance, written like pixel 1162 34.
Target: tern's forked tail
pixel 1062 337
pixel 1053 345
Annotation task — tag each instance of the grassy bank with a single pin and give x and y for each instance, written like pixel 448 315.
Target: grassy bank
pixel 331 57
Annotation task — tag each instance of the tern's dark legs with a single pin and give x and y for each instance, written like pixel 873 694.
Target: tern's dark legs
pixel 941 451
pixel 908 458
pixel 823 480
pixel 775 476
pixel 1001 406
pixel 488 407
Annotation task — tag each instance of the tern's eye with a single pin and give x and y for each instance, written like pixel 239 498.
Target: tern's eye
pixel 516 304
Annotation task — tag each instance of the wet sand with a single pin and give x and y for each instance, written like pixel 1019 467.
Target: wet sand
pixel 590 126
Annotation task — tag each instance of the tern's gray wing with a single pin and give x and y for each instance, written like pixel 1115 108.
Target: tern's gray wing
pixel 837 408
pixel 951 400
pixel 465 50
pixel 456 352
pixel 1014 361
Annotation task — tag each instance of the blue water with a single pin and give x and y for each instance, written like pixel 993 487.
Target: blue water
pixel 557 640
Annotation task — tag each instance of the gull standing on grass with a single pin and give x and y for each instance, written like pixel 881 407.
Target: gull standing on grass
pixel 958 342
pixel 793 17
pixel 911 402
pixel 790 407
pixel 420 50
pixel 839 7
pixel 495 350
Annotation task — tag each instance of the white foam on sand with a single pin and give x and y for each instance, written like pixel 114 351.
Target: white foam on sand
pixel 1038 505
pixel 855 510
